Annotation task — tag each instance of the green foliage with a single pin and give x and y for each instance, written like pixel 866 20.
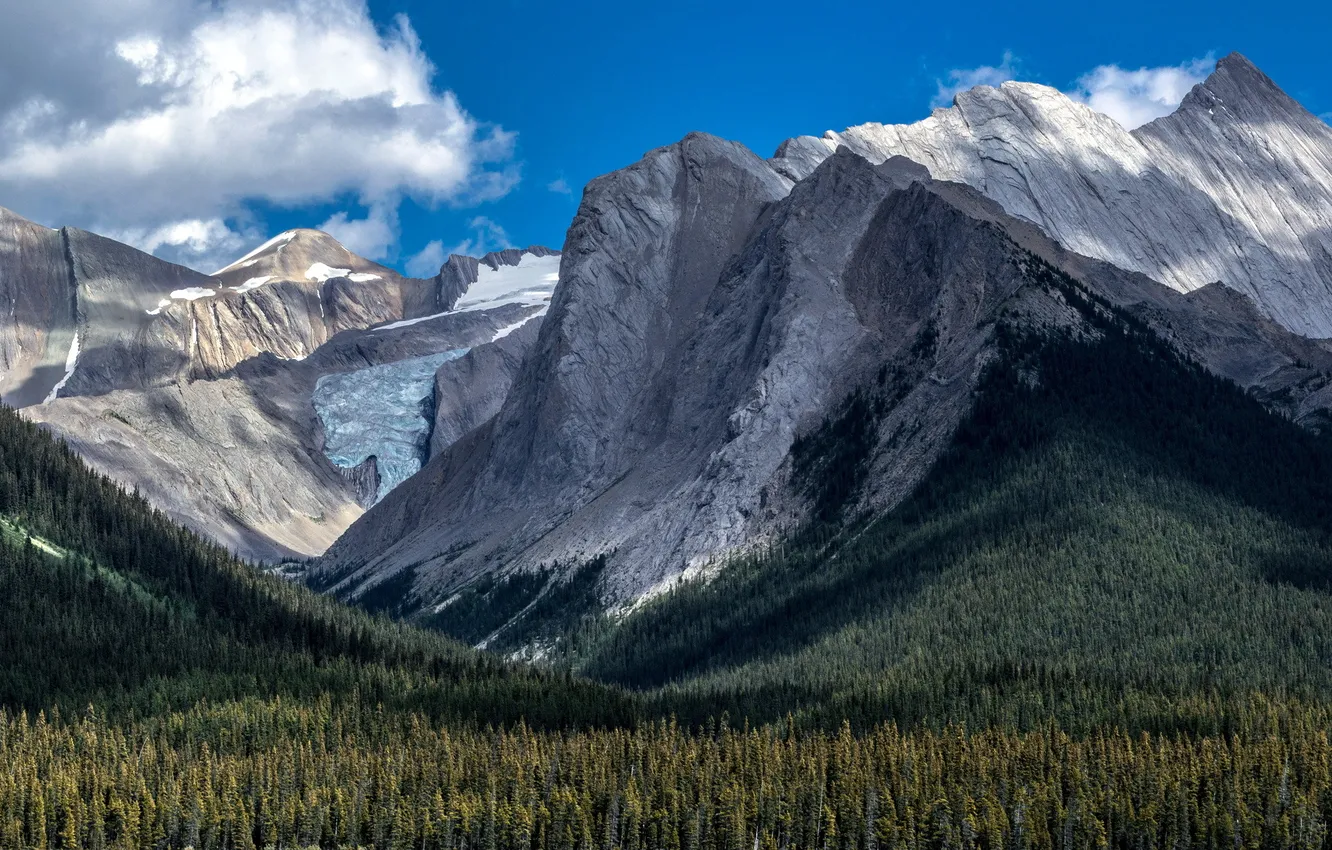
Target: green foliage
pixel 522 609
pixel 271 774
pixel 485 605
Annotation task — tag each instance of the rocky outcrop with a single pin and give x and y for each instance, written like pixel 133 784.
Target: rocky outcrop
pixel 469 391
pixel 241 457
pixel 37 309
pixel 1235 186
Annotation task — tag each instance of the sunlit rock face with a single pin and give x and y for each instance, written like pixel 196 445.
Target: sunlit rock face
pixel 1234 187
pixel 714 307
pixel 382 412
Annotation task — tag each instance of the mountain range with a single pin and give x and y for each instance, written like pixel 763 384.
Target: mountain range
pixel 423 438
pixel 960 484
pixel 715 308
pixel 197 389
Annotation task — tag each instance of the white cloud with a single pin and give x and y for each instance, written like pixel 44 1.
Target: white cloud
pixel 961 79
pixel 191 235
pixel 1134 98
pixel 559 186
pixel 486 236
pixel 184 112
pixel 427 261
pixel 373 237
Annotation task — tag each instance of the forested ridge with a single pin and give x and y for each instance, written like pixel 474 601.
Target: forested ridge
pixel 142 616
pixel 1102 620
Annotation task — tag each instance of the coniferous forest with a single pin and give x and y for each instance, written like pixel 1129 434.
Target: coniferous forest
pixel 1104 619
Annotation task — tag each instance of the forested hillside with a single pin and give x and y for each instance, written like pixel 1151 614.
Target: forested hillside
pixel 122 608
pixel 1116 537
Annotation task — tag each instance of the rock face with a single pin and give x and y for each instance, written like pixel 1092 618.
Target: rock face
pixel 470 390
pixel 710 310
pixel 197 389
pixel 1235 186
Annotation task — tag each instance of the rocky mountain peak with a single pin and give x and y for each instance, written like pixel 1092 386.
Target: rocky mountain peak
pixel 303 255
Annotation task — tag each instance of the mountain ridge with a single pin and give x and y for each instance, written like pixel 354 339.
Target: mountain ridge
pixel 723 483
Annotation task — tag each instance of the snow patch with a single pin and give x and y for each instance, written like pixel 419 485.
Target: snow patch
pixel 71 361
pixel 512 284
pixel 322 272
pixel 193 293
pixel 253 283
pixel 249 259
pixel 508 329
pixel 362 277
pixel 165 302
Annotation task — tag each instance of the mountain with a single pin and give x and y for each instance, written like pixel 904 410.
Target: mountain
pixel 1114 538
pixel 198 390
pixel 714 308
pixel 1234 186
pixel 842 506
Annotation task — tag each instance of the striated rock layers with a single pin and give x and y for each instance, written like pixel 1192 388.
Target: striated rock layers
pixel 1234 187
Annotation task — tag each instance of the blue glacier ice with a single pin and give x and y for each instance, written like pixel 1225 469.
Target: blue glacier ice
pixel 381 411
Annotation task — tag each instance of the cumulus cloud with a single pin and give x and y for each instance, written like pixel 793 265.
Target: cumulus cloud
pixel 485 236
pixel 1134 98
pixel 427 261
pixel 373 236
pixel 961 79
pixel 178 115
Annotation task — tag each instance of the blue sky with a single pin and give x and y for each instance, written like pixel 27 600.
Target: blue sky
pixel 556 94
pixel 590 86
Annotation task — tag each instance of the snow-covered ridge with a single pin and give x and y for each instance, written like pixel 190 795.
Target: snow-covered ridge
pixel 529 283
pixel 533 279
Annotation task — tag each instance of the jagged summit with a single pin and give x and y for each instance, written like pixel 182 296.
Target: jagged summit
pixel 1237 91
pixel 1234 186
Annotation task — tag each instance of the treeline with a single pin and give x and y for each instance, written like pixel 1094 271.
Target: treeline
pixel 274 775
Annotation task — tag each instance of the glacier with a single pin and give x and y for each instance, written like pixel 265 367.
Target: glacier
pixel 384 412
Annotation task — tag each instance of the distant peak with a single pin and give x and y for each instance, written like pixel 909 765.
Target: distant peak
pixel 1235 82
pixel 1237 61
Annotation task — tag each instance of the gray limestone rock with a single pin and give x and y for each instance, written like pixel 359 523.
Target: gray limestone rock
pixel 470 390
pixel 196 389
pixel 1235 186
